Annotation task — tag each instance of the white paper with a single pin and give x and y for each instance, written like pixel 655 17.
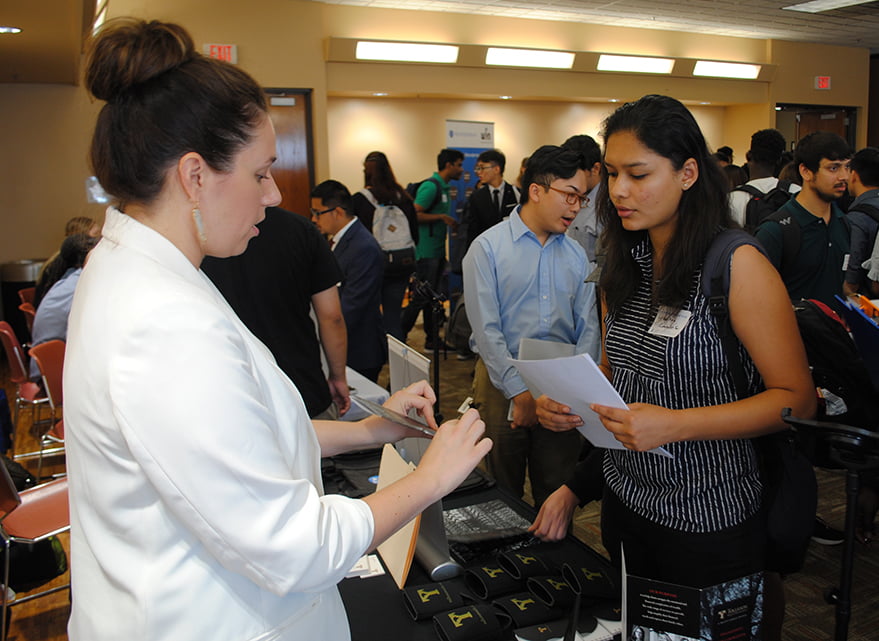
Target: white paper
pixel 577 382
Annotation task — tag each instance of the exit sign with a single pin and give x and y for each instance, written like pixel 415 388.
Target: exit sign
pixel 228 53
pixel 822 82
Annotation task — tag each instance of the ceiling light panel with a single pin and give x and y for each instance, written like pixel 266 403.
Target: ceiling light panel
pixel 635 64
pixel 726 70
pixel 817 6
pixel 406 52
pixel 529 58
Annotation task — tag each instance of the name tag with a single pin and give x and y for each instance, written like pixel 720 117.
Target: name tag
pixel 845 262
pixel 669 322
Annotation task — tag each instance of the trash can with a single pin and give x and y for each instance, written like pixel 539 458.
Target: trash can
pixel 16 275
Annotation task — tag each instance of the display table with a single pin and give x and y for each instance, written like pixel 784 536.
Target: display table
pixel 376 608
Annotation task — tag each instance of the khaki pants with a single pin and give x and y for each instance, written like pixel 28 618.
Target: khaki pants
pixel 548 456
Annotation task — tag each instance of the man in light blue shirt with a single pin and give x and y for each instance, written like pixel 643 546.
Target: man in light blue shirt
pixel 524 278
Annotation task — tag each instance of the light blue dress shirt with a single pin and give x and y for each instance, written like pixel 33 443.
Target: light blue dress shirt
pixel 516 288
pixel 50 321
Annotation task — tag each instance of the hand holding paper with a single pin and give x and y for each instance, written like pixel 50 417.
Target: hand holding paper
pixel 578 383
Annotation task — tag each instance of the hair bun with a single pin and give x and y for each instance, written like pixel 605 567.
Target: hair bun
pixel 128 52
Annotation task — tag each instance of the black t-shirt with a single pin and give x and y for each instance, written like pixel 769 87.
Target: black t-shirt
pixel 270 288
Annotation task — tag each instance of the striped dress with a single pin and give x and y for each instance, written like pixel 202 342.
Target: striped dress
pixel 708 485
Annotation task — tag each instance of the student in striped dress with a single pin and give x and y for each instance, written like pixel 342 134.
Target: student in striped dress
pixel 693 519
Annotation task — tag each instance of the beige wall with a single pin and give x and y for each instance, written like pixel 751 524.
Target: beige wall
pixel 411 132
pixel 45 129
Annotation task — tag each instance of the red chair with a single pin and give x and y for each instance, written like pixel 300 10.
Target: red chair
pixel 26 294
pixel 29 314
pixel 49 357
pixel 29 517
pixel 27 393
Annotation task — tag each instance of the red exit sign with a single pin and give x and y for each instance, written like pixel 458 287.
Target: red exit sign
pixel 228 53
pixel 822 82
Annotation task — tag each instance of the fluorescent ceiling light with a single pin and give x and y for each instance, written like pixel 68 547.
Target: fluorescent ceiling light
pixel 9 30
pixel 726 70
pixel 817 6
pixel 406 52
pixel 635 64
pixel 529 58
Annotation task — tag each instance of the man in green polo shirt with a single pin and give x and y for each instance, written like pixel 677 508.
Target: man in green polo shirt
pixel 816 267
pixel 432 205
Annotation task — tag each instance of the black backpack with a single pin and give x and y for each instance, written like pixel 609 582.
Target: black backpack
pixel 834 360
pixel 412 190
pixel 871 210
pixel 789 485
pixel 761 205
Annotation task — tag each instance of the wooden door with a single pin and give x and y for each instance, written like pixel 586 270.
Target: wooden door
pixel 290 111
pixel 833 120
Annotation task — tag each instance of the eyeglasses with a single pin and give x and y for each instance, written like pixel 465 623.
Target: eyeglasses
pixel 316 213
pixel 481 168
pixel 571 197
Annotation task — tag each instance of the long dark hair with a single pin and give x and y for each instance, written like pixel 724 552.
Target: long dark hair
pixel 666 127
pixel 379 178
pixel 72 254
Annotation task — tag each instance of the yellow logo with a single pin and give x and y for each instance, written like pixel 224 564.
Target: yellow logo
pixel 525 560
pixel 425 595
pixel 493 572
pixel 458 619
pixel 556 585
pixel 522 604
pixel 591 575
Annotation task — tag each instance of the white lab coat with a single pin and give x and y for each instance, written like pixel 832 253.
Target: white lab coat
pixel 195 491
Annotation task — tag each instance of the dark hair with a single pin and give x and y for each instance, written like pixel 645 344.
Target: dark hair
pixel 446 156
pixel 379 177
pixel 725 153
pixel 79 225
pixel 549 163
pixel 866 163
pixel 767 146
pixel 666 127
pixel 587 147
pixel 790 171
pixel 820 144
pixel 494 156
pixel 332 193
pixel 164 99
pixel 734 175
pixel 73 253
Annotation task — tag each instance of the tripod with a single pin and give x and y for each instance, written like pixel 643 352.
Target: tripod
pixel 836 446
pixel 436 300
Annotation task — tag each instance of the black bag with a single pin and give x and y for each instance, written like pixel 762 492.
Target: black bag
pixel 459 332
pixel 761 205
pixel 21 478
pixel 412 190
pixel 400 262
pixel 790 491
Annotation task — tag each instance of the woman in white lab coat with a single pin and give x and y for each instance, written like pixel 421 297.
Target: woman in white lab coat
pixel 197 510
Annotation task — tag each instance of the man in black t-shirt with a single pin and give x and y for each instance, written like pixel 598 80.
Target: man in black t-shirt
pixel 287 269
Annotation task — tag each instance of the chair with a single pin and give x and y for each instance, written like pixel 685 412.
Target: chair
pixel 49 357
pixel 26 294
pixel 27 393
pixel 29 314
pixel 29 517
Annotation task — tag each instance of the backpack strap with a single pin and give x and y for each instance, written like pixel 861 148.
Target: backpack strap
pixel 749 189
pixel 715 287
pixel 369 196
pixel 791 239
